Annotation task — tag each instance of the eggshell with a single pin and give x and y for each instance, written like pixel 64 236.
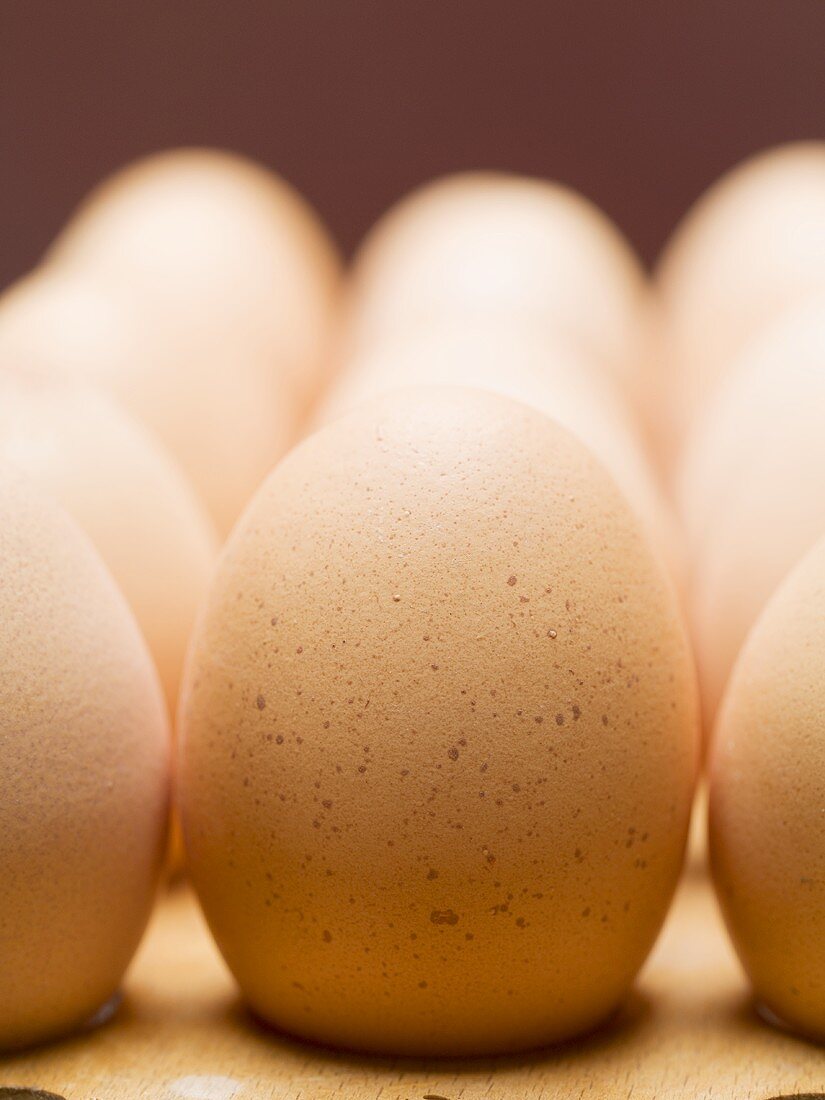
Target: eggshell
pixel 74 328
pixel 752 487
pixel 767 834
pixel 483 244
pixel 131 499
pixel 750 247
pixel 438 734
pixel 84 774
pixel 234 281
pixel 518 360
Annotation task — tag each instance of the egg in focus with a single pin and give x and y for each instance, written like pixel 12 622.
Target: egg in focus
pixel 77 444
pixel 84 774
pixel 767 785
pixel 489 244
pixel 235 284
pixel 519 360
pixel 438 734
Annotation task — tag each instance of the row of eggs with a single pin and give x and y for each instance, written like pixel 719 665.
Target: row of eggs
pixel 439 727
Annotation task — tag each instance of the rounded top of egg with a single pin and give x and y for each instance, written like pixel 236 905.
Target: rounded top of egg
pixel 202 289
pixel 438 734
pixel 767 787
pixel 222 411
pixel 750 488
pixel 750 246
pixel 522 360
pixel 84 774
pixel 482 243
pixel 128 495
pixel 213 239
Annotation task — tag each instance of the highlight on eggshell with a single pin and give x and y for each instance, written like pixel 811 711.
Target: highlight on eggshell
pixel 73 328
pixel 751 246
pixel 84 774
pixel 80 446
pixel 522 360
pixel 235 283
pixel 751 489
pixel 452 809
pixel 767 776
pixel 478 244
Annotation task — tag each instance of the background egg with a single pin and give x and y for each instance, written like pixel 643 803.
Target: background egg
pixel 752 486
pixel 750 247
pixel 519 360
pixel 79 445
pixel 438 734
pixel 84 774
pixel 235 283
pixel 74 328
pixel 766 796
pixel 486 244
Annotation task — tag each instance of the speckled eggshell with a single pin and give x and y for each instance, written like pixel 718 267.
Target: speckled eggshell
pixel 522 361
pixel 751 246
pixel 767 790
pixel 751 487
pixel 439 734
pixel 234 281
pixel 126 493
pixel 84 774
pixel 482 244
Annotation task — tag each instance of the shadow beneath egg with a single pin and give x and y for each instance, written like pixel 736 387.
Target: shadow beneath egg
pixel 100 1021
pixel 617 1031
pixel 749 1014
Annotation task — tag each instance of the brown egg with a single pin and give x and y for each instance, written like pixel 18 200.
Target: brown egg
pixel 752 487
pixel 74 328
pixel 234 282
pixel 77 444
pixel 752 245
pixel 767 833
pixel 438 734
pixel 518 360
pixel 84 774
pixel 484 244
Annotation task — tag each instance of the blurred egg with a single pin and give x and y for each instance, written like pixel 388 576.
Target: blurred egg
pixel 750 247
pixel 752 486
pixel 84 774
pixel 553 375
pixel 234 282
pixel 77 444
pixel 438 734
pixel 484 244
pixel 73 328
pixel 767 831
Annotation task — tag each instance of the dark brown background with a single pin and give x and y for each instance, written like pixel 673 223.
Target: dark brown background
pixel 639 103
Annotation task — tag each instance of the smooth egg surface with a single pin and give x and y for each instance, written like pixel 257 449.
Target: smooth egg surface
pixel 84 774
pixel 235 282
pixel 767 788
pixel 751 487
pixel 72 327
pixel 484 244
pixel 128 495
pixel 751 246
pixel 438 734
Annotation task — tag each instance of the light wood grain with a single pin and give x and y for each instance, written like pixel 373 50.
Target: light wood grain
pixel 181 1034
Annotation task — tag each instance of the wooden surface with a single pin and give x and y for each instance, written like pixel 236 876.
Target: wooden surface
pixel 181 1034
